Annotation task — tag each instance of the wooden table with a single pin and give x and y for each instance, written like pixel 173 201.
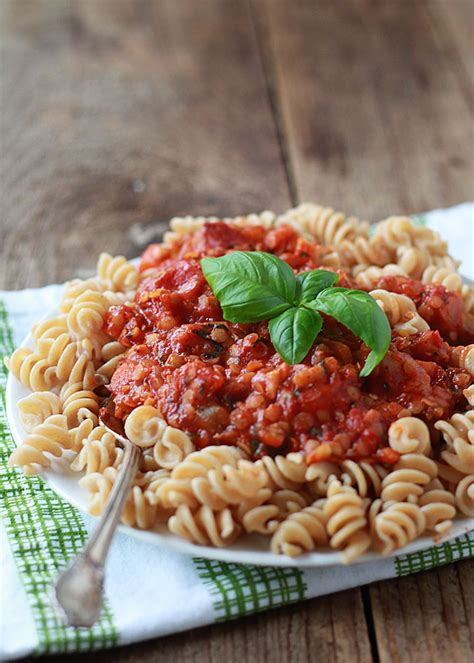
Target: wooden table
pixel 118 114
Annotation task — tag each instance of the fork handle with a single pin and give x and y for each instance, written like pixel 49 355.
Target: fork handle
pixel 79 587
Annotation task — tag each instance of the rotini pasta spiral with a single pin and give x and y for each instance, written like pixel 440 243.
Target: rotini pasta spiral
pixel 172 448
pixel 73 290
pixel 438 506
pixel 362 251
pixel 116 273
pixel 465 495
pixel 463 357
pixel 229 485
pixel 51 328
pixel 413 261
pixel 198 463
pixel 397 525
pixel 324 224
pixel 78 404
pixel 37 407
pixel 400 311
pixel 409 435
pixel 144 426
pixel 469 395
pixel 408 478
pixel 204 526
pixel 50 438
pixel 346 521
pixel 364 477
pixel 444 276
pixel 367 277
pixel 32 370
pixel 284 471
pixel 87 313
pixel 300 532
pixel 99 451
pixel 318 476
pixel 111 355
pixel 138 511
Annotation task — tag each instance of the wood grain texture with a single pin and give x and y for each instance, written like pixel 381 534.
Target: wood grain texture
pixel 427 617
pixel 121 111
pixel 124 112
pixel 374 101
pixel 331 629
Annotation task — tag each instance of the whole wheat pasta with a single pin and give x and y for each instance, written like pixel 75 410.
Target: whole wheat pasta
pixel 37 407
pixel 301 531
pixel 204 526
pixel 347 524
pixel 398 525
pixel 346 501
pixel 409 435
pixel 50 438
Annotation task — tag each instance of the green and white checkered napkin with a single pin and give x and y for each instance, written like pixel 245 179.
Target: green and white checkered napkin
pixel 151 591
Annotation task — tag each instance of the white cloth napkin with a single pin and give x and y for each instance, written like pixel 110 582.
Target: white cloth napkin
pixel 153 591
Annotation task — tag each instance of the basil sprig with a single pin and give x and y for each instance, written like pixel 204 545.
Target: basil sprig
pixel 252 286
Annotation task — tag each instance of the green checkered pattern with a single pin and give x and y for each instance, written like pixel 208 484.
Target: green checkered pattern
pixel 445 553
pixel 44 532
pixel 240 590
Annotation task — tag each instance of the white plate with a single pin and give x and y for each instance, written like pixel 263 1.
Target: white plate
pixel 249 549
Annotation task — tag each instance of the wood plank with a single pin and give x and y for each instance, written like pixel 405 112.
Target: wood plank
pixel 374 107
pixel 426 617
pixel 374 104
pixel 116 112
pixel 330 629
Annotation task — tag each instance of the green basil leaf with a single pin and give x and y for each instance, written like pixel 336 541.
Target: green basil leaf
pixel 360 313
pixel 250 285
pixel 312 282
pixel 293 333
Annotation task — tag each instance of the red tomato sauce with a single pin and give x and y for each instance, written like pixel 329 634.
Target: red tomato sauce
pixel 224 383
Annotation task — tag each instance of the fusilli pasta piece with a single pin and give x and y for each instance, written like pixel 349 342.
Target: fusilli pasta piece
pixel 87 313
pixel 172 448
pixel 408 478
pixel 397 525
pixel 284 471
pixel 325 225
pixel 346 521
pixel 145 426
pixel 409 435
pixel 463 357
pixel 31 370
pixel 229 485
pixel 438 505
pixel 50 328
pixel 50 438
pixel 300 532
pixel 451 280
pixel 367 276
pixel 116 273
pixel 465 495
pixel 198 463
pixel 318 476
pixel 37 407
pixel 73 290
pixel 364 477
pixel 78 404
pixel 204 526
pixel 99 451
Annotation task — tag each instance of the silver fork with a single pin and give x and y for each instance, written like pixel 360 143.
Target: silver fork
pixel 79 588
